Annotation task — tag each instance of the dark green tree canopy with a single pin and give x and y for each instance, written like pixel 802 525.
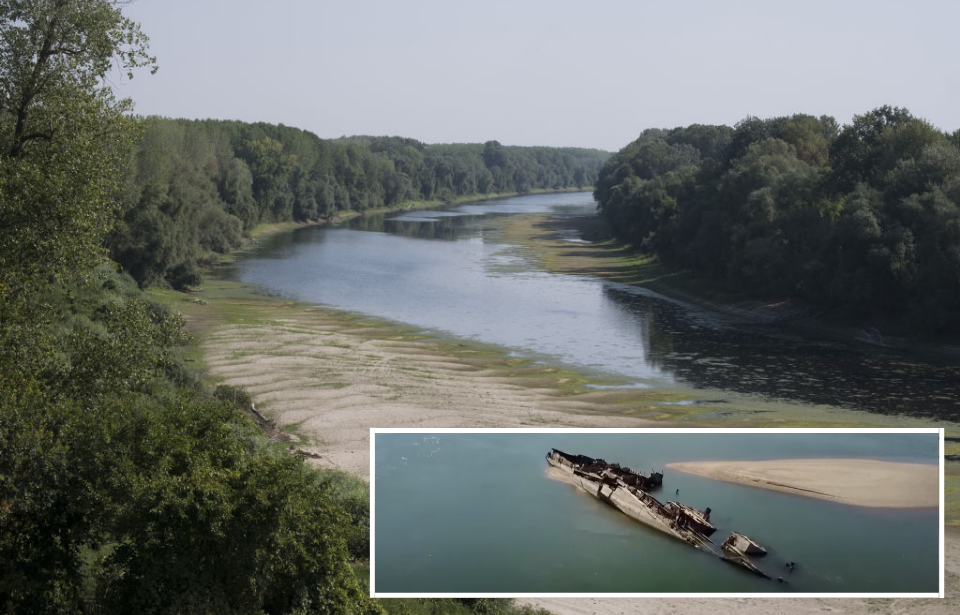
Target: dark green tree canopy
pixel 54 51
pixel 124 485
pixel 862 220
pixel 63 135
pixel 193 187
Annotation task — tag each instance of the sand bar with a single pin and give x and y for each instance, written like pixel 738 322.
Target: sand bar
pixel 329 384
pixel 859 482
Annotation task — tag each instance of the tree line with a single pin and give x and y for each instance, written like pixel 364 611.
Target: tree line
pixel 861 219
pixel 194 187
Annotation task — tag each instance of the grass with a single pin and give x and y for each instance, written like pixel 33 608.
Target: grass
pixel 293 429
pixel 604 257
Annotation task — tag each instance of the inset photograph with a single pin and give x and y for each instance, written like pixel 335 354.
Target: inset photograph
pixel 752 512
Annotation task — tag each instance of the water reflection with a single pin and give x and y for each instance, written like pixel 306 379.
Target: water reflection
pixel 750 358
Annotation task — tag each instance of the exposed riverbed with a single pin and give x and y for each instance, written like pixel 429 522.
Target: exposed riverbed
pixel 452 272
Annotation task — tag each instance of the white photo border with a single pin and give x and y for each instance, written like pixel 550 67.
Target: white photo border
pixel 577 430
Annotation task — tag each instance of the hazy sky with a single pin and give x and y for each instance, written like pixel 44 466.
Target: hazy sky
pixel 543 72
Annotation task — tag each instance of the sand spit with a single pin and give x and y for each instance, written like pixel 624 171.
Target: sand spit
pixel 860 482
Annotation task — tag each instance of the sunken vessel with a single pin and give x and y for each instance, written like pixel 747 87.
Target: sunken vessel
pixel 628 491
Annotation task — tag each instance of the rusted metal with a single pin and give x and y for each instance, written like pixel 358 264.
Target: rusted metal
pixel 628 492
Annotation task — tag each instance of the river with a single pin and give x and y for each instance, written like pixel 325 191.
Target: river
pixel 476 513
pixel 450 272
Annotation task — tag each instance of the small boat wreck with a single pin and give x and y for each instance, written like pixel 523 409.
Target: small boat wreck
pixel 744 544
pixel 737 550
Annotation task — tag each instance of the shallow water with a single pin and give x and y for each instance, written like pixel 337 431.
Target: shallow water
pixel 477 513
pixel 446 271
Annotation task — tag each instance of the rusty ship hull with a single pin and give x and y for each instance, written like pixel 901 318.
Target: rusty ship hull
pixel 608 486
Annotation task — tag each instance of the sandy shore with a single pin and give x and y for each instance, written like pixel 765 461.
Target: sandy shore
pixel 328 383
pixel 860 482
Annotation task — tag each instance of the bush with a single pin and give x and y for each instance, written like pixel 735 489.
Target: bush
pixel 184 275
pixel 233 395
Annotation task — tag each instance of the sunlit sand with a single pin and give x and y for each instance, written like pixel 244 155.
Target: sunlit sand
pixel 860 482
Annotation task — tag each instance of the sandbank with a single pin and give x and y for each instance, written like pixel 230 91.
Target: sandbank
pixel 859 482
pixel 328 382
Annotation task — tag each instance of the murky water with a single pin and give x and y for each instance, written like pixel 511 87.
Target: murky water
pixel 476 513
pixel 446 271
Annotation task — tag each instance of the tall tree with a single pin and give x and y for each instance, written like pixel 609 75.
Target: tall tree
pixel 62 131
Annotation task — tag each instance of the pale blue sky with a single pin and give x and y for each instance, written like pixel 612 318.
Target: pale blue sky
pixel 543 72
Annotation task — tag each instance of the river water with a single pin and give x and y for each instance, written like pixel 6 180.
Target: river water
pixel 449 271
pixel 476 513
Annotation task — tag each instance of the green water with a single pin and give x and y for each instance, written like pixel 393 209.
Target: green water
pixel 477 513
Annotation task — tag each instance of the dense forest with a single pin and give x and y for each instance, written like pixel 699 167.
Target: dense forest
pixel 194 187
pixel 862 220
pixel 126 486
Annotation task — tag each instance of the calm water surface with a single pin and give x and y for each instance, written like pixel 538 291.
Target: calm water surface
pixel 477 513
pixel 446 271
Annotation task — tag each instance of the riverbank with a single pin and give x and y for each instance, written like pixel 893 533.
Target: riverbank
pixel 548 239
pixel 326 377
pixel 859 482
pixel 252 239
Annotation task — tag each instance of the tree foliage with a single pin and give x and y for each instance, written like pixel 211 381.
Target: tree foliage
pixel 124 486
pixel 62 132
pixel 195 186
pixel 862 218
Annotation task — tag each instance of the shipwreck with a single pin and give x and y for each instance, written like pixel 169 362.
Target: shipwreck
pixel 737 550
pixel 628 491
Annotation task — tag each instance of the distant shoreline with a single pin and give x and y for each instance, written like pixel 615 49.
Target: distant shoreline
pixel 858 482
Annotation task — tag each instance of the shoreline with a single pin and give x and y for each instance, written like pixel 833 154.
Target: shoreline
pixel 253 237
pixel 609 259
pixel 326 376
pixel 856 482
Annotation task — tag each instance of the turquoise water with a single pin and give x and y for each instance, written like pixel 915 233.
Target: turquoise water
pixel 477 513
